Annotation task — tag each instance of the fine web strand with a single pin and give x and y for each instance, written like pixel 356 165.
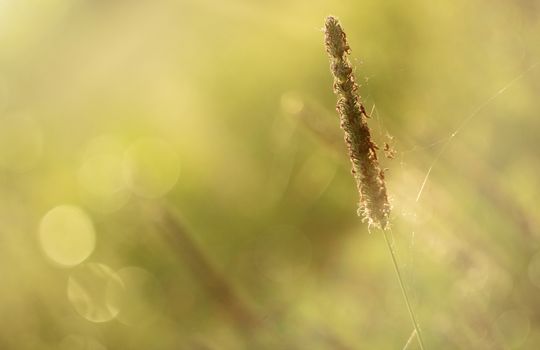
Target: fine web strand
pixel 466 120
pixel 446 141
pixel 409 341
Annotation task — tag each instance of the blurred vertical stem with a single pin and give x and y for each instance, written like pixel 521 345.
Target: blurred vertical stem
pixel 403 290
pixel 202 266
pixel 240 309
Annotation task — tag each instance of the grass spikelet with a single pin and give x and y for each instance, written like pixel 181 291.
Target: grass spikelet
pixel 373 205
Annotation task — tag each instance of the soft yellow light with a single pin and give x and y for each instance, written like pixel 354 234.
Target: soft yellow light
pixel 151 168
pixel 87 292
pixel 102 184
pixel 137 296
pixel 291 103
pixel 67 235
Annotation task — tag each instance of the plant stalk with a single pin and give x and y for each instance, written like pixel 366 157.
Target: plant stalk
pixel 404 291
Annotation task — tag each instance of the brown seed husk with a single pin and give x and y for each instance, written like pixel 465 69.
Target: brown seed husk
pixel 373 206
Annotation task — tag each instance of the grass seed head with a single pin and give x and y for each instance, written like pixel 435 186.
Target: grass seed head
pixel 373 206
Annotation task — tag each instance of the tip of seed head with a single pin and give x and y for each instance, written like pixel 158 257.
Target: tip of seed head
pixel 331 20
pixel 335 39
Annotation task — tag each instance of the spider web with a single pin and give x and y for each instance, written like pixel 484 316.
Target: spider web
pixel 443 145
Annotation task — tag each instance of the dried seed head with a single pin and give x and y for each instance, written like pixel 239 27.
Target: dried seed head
pixel 374 206
pixel 336 40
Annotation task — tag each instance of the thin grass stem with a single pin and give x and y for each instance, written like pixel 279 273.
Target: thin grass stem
pixel 403 290
pixel 409 341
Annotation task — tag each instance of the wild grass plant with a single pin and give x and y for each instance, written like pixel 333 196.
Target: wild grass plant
pixel 122 110
pixel 374 206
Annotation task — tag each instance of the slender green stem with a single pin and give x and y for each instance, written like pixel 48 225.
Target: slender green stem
pixel 404 291
pixel 409 341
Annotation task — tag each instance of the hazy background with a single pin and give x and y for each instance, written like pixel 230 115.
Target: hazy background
pixel 115 114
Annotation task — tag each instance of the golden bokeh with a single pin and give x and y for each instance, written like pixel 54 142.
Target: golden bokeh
pixel 67 235
pixel 88 292
pixel 151 168
pixel 173 175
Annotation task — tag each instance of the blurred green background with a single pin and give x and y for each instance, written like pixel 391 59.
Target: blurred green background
pixel 173 176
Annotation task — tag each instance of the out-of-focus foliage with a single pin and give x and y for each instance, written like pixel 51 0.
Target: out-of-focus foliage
pixel 173 176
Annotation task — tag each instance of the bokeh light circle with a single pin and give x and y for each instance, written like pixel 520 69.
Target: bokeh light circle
pixel 102 183
pixel 291 103
pixel 136 297
pixel 67 235
pixel 151 168
pixel 87 292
